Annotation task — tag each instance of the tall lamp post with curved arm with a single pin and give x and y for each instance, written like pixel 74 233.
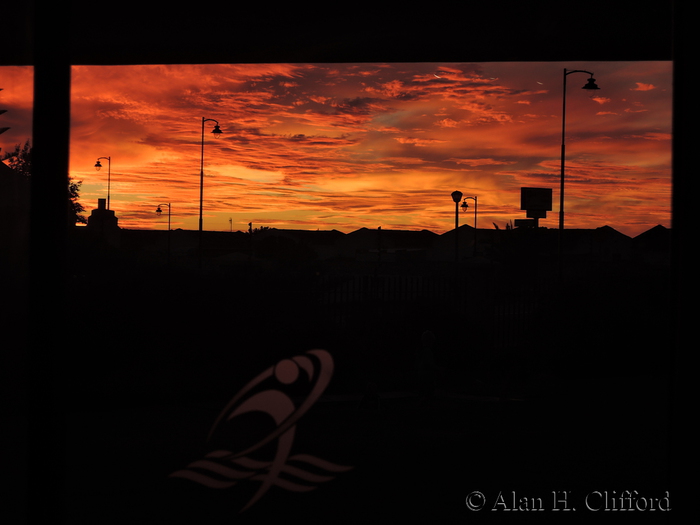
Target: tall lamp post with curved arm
pixel 590 85
pixel 216 131
pixel 98 166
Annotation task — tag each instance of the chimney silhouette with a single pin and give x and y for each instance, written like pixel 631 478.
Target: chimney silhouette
pixel 102 219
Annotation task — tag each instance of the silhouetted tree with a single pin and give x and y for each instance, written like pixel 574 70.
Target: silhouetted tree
pixel 75 209
pixel 20 160
pixel 252 230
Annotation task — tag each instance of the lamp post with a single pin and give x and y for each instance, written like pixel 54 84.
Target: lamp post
pixel 158 212
pixel 98 166
pixel 464 207
pixel 589 85
pixel 456 197
pixel 216 131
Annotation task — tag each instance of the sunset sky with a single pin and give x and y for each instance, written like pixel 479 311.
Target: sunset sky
pixel 342 146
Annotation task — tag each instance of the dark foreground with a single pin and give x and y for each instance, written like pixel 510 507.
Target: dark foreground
pixel 553 405
pixel 413 460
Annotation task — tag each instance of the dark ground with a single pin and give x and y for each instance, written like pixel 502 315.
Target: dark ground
pixel 413 460
pixel 576 398
pixel 580 407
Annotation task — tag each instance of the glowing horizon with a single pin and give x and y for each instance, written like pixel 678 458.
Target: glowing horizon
pixel 345 146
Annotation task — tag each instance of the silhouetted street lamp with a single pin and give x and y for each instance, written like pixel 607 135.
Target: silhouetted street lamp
pixel 589 85
pixel 216 131
pixel 456 197
pixel 158 212
pixel 98 166
pixel 465 206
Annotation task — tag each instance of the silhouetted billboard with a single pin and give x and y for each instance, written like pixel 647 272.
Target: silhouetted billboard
pixel 536 199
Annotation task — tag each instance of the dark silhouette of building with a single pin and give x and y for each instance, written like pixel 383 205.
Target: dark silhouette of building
pixel 101 219
pixel 103 224
pixel 653 245
pixel 386 245
pixel 601 246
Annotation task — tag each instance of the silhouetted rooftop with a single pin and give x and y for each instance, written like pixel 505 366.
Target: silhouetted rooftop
pixel 394 236
pixel 310 236
pixel 657 237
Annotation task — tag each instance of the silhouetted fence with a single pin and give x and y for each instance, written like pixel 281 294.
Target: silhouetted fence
pixel 504 312
pixel 362 288
pixel 513 320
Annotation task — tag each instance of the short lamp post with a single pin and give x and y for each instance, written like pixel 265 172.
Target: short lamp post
pixel 464 207
pixel 98 167
pixel 456 197
pixel 159 211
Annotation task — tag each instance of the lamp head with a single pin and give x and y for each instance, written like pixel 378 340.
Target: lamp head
pixel 456 196
pixel 158 210
pixel 464 205
pixel 216 131
pixel 591 84
pixel 98 165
